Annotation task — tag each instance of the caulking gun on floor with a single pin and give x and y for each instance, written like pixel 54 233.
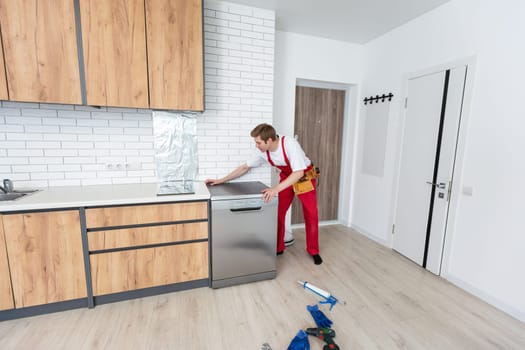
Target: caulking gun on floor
pixel 328 298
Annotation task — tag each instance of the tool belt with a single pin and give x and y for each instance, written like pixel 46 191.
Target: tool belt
pixel 304 184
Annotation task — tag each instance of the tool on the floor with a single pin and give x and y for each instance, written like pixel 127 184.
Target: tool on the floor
pixel 319 317
pixel 299 342
pixel 329 299
pixel 325 334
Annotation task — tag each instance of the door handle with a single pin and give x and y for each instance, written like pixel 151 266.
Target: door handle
pixel 245 209
pixel 440 185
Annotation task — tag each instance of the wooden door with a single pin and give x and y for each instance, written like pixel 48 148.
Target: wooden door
pixel 40 47
pixel 6 293
pixel 114 43
pixel 175 54
pixel 319 116
pixel 3 77
pixel 45 256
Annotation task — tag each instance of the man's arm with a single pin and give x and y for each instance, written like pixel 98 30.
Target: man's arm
pixel 269 193
pixel 239 171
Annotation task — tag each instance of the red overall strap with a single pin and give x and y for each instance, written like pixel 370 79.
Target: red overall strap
pixel 286 160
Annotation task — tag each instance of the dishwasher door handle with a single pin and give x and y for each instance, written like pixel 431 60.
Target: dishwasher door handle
pixel 245 209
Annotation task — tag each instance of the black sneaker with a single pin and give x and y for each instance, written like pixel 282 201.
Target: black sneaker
pixel 317 259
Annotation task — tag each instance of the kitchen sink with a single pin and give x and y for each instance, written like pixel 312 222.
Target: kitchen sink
pixel 11 196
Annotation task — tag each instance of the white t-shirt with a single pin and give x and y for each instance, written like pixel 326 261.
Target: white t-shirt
pixel 298 160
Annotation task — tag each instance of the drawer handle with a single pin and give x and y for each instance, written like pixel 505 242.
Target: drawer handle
pixel 246 209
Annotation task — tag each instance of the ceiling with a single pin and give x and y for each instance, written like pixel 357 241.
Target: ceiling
pixel 356 21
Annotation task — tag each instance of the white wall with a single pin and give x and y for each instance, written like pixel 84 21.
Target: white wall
pixel 321 60
pixel 485 240
pixel 61 145
pixel 239 66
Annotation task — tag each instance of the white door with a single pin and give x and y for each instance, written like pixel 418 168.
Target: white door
pixel 427 163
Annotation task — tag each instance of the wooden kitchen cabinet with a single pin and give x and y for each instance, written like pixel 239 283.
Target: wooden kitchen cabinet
pixel 45 257
pixel 6 293
pixel 175 54
pixel 40 48
pixel 3 78
pixel 142 246
pixel 114 45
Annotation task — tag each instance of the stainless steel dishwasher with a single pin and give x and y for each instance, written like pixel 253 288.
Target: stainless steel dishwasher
pixel 243 234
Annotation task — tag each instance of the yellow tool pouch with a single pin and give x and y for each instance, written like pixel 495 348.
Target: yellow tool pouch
pixel 304 184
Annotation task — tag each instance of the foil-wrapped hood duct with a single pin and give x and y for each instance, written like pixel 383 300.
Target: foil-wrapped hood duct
pixel 175 136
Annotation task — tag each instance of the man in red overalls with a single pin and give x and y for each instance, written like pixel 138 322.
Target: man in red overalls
pixel 286 154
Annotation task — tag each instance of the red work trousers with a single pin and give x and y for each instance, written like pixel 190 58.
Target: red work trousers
pixel 309 202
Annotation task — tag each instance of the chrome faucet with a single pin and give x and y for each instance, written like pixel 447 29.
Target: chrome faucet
pixel 8 186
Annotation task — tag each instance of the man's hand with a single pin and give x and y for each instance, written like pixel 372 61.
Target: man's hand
pixel 269 193
pixel 213 182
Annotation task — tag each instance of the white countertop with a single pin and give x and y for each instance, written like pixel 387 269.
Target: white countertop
pixel 96 195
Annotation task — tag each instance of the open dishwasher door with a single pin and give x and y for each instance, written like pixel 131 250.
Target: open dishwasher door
pixel 243 234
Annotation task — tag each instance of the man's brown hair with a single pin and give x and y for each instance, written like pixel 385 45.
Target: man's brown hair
pixel 265 132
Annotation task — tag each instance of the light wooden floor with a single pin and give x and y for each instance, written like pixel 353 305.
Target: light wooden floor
pixel 387 302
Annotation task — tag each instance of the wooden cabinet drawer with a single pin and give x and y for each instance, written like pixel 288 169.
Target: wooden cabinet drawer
pixel 142 268
pixel 145 214
pixel 130 237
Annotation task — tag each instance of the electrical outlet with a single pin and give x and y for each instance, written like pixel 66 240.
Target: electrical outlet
pixel 123 166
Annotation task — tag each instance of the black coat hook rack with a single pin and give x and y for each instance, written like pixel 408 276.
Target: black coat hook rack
pixel 376 98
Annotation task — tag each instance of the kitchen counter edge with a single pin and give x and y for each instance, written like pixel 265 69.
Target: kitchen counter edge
pixel 99 195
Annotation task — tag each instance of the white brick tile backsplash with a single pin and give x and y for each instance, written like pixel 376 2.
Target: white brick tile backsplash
pixel 77 145
pixel 60 152
pixel 94 138
pixel 9 111
pixel 106 115
pixel 23 120
pixel 91 122
pixel 28 168
pixel 228 16
pixel 59 121
pixel 123 123
pixel 74 114
pixel 71 145
pixel 79 160
pixel 45 160
pixel 42 144
pixel 81 175
pixel 56 106
pixel 46 175
pixel 18 177
pixel 93 152
pixel 64 167
pixel 24 152
pixel 16 136
pixel 13 160
pixel 108 131
pixel 41 128
pixel 20 105
pixel 252 20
